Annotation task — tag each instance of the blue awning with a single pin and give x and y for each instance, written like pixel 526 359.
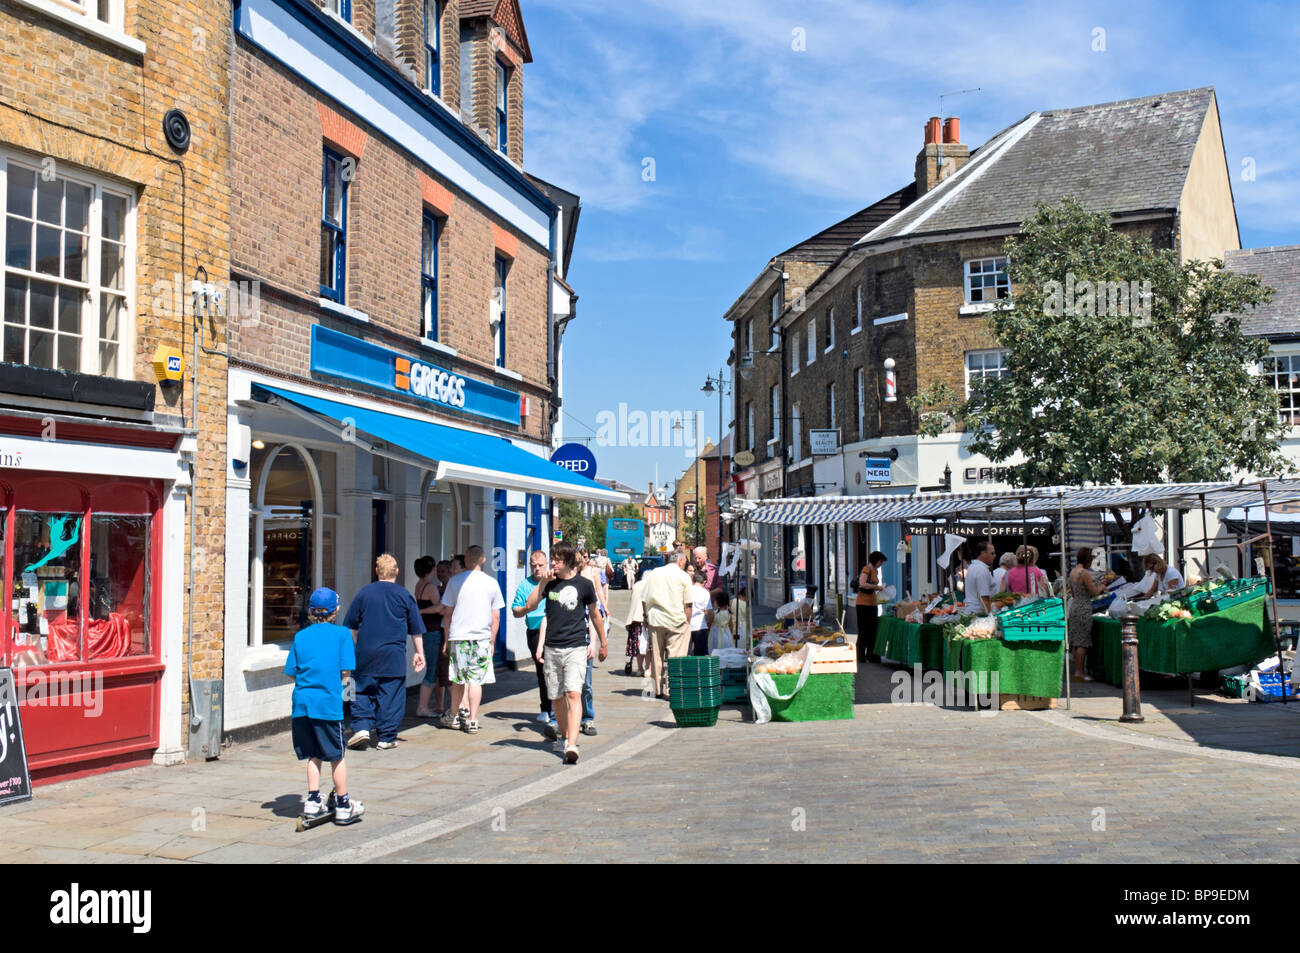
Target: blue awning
pixel 459 456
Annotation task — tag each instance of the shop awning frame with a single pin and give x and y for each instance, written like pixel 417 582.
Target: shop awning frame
pixel 453 454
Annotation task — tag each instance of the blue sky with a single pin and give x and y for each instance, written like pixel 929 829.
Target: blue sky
pixel 757 144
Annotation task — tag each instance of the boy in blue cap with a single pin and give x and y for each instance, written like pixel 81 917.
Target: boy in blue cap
pixel 321 656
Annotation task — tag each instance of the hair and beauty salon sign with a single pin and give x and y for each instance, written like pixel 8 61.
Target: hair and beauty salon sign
pixel 340 355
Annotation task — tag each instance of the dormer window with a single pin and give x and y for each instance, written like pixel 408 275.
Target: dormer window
pixel 502 132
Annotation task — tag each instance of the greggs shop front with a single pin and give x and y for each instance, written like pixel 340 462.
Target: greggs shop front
pixel 83 513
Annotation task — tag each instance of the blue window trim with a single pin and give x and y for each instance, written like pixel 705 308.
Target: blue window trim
pixel 429 281
pixel 433 49
pixel 339 230
pixel 533 521
pixel 503 104
pixel 500 511
pixel 502 269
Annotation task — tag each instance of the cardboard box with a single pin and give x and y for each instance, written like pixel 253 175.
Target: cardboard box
pixel 1025 703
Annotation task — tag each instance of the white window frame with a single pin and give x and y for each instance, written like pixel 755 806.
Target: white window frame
pixel 1291 354
pixel 79 14
pixel 90 313
pixel 775 396
pixel 812 342
pixel 749 340
pixel 861 379
pixel 969 274
pixel 830 331
pixel 795 353
pixel 796 437
pixel 749 424
pixel 831 423
pixel 857 314
pixel 984 371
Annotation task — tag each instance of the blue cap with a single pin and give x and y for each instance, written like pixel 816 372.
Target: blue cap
pixel 326 599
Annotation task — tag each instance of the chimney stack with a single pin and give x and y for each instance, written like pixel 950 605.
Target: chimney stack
pixel 941 155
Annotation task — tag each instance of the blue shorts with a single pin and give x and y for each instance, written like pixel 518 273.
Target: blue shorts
pixel 432 652
pixel 313 738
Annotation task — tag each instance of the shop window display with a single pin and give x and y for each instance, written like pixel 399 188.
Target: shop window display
pixel 45 607
pixel 117 613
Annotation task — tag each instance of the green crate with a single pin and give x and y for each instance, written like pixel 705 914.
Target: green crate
pixel 1036 612
pixel 735 676
pixel 1053 631
pixel 693 681
pixel 695 717
pixel 694 665
pixel 735 693
pixel 695 698
pixel 1230 594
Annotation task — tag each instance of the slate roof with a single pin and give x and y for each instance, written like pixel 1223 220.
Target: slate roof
pixel 1126 156
pixel 1280 268
pixel 828 244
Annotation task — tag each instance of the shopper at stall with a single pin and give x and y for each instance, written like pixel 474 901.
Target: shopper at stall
pixel 1026 576
pixel 538 566
pixel 382 615
pixel 321 656
pixel 667 599
pixel 638 636
pixel 741 603
pixel 700 605
pixel 866 605
pixel 565 646
pixel 471 631
pixel 1006 562
pixel 428 598
pixel 722 624
pixel 979 579
pixel 700 556
pixel 1078 619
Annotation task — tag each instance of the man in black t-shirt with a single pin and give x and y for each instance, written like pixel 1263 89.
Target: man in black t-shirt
pixel 564 646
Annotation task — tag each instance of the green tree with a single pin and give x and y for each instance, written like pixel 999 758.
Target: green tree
pixel 572 523
pixel 1122 365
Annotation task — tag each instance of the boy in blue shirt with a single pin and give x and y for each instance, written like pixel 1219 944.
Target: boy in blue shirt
pixel 321 656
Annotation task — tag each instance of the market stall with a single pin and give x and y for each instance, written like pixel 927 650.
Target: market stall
pixel 1032 667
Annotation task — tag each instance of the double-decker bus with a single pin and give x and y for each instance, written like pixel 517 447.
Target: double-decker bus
pixel 624 539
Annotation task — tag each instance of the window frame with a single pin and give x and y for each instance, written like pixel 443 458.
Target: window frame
pixel 984 371
pixel 857 314
pixel 830 331
pixel 340 239
pixel 749 425
pixel 433 48
pixel 812 341
pixel 796 432
pixel 501 274
pixel 830 407
pixel 795 352
pixel 1288 417
pixel 430 234
pixel 1000 278
pixel 503 107
pixel 340 8
pixel 860 380
pixel 774 429
pixel 92 290
pixel 774 304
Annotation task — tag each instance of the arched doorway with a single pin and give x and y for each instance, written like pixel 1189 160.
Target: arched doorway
pixel 285 544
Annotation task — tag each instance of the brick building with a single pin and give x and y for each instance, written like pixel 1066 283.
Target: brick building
pixel 397 386
pixel 114 190
pixel 901 306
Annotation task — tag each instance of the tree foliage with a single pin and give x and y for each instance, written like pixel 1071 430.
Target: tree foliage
pixel 1096 392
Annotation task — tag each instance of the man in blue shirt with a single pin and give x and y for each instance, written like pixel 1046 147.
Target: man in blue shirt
pixel 539 572
pixel 320 657
pixel 382 614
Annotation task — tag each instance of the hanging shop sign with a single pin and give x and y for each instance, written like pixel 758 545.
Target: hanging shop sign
pixel 335 354
pixel 771 481
pixel 823 443
pixel 877 470
pixel 576 458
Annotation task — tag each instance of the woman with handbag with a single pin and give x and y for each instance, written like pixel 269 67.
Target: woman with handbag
pixel 866 604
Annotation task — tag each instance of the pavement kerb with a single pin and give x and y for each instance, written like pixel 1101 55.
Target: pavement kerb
pixel 485 807
pixel 1127 736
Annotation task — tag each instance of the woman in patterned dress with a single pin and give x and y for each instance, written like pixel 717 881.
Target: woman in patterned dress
pixel 1079 614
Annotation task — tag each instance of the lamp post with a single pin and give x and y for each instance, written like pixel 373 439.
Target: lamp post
pixel 723 387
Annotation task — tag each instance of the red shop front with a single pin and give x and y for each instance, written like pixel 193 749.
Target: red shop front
pixel 81 559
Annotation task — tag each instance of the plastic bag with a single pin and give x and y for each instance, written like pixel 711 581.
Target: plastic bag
pixel 761 687
pixel 1146 538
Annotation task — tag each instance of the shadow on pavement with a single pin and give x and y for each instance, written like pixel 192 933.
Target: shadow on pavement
pixel 286 805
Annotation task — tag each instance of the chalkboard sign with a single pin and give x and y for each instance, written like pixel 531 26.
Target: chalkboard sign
pixel 15 780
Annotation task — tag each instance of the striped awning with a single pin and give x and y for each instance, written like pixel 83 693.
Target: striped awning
pixel 1040 501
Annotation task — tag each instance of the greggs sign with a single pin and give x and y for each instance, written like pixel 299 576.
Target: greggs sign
pixel 335 354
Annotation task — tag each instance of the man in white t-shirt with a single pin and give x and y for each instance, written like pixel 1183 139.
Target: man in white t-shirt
pixel 979 579
pixel 473 604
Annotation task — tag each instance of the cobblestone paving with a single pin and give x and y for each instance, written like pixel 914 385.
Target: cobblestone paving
pixel 897 784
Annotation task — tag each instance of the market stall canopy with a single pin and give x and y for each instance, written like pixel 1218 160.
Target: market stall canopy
pixel 1007 504
pixel 460 456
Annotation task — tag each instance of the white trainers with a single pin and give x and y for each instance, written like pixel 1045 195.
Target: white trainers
pixel 449 720
pixel 312 808
pixel 571 754
pixel 560 745
pixel 359 739
pixel 346 815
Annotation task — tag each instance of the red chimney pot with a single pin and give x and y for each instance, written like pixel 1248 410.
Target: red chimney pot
pixel 952 129
pixel 932 131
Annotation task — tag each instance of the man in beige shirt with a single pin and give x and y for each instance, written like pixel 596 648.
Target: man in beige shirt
pixel 667 613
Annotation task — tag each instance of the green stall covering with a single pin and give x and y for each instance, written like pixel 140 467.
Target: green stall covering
pixel 1024 668
pixel 909 643
pixel 1240 635
pixel 826 697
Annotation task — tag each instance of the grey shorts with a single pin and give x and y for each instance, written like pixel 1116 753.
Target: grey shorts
pixel 565 670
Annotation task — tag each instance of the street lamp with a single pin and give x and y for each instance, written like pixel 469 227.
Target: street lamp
pixel 678 425
pixel 724 386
